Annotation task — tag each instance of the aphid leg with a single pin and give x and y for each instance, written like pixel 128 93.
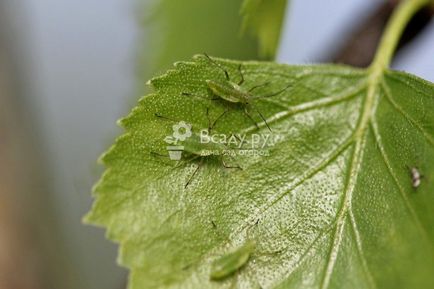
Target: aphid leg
pixel 241 75
pixel 250 117
pixel 209 119
pixel 275 93
pixel 251 227
pixel 265 253
pixel 263 118
pixel 242 142
pixel 161 156
pixel 211 127
pixel 237 166
pixel 213 224
pixel 186 267
pixel 158 155
pixel 194 173
pixel 237 137
pixel 258 86
pixel 231 167
pixel 217 230
pixel 155 154
pixel 188 160
pixel 218 65
pixel 158 115
pixel 265 121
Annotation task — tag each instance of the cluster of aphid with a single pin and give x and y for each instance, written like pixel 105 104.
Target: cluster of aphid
pixel 235 93
pixel 229 92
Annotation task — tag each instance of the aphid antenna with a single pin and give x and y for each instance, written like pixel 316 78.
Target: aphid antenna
pixel 258 86
pixel 219 66
pixel 275 93
pixel 241 75
pixel 164 117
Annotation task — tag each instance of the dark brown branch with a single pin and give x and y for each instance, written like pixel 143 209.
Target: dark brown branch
pixel 360 48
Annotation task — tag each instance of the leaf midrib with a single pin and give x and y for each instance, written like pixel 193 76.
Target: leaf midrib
pixel 250 221
pixel 371 86
pixel 368 110
pixel 358 137
pixel 376 83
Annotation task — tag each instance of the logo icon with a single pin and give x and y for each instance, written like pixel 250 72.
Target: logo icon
pixel 181 131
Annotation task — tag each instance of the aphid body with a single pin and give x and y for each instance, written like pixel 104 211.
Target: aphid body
pixel 234 92
pixel 232 262
pixel 199 150
pixel 415 177
pixel 229 91
pixel 194 148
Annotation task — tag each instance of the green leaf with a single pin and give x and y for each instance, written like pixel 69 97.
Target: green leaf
pixel 176 30
pixel 332 206
pixel 264 20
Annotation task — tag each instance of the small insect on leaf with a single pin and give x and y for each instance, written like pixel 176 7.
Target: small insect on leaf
pixel 230 263
pixel 235 93
pixel 415 177
pixel 193 147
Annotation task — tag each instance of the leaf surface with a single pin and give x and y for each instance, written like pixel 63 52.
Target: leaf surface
pixel 332 206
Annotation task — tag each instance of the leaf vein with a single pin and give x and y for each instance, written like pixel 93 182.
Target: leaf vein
pixel 315 104
pixel 405 114
pixel 395 77
pixel 385 158
pixel 350 184
pixel 359 247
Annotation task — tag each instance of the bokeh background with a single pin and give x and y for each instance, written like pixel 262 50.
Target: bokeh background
pixel 70 69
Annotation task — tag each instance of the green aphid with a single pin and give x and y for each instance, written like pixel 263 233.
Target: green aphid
pixel 235 93
pixel 230 263
pixel 195 149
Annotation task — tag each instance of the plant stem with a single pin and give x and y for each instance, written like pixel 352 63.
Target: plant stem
pixel 393 32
